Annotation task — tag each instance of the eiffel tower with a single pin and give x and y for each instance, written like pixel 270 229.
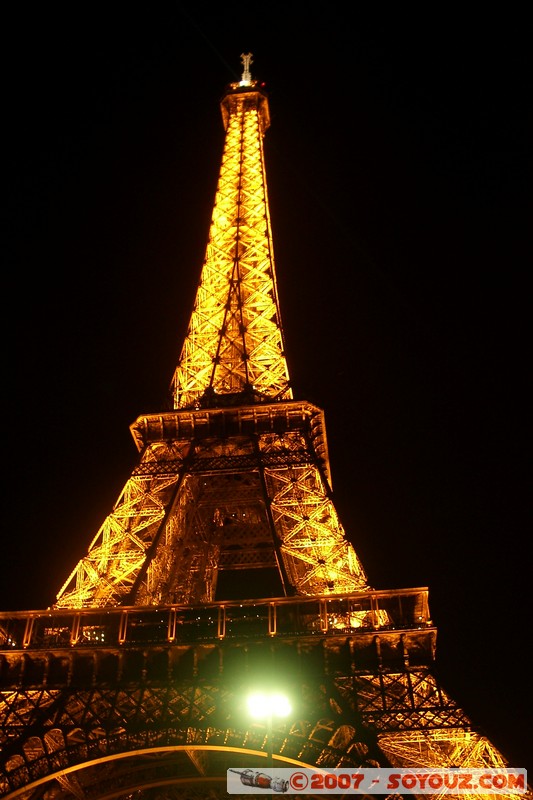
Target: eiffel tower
pixel 224 567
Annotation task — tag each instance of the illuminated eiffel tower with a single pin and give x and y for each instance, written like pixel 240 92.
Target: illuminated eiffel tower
pixel 223 567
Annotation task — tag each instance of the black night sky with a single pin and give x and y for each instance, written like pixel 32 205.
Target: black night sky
pixel 399 175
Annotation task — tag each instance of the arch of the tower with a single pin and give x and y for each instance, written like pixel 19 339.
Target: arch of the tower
pixel 110 756
pixel 193 769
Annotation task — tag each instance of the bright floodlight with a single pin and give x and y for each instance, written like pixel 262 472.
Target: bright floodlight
pixel 280 705
pixel 261 705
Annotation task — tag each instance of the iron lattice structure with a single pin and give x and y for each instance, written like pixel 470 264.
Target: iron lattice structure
pixel 223 565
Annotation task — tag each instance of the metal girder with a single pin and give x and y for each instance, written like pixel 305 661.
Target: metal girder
pixel 236 490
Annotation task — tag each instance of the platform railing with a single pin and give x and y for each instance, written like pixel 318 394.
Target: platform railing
pixel 326 615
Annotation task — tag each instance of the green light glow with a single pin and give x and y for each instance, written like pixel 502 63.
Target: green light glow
pixel 274 704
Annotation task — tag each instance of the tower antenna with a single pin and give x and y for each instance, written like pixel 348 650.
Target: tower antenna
pixel 246 59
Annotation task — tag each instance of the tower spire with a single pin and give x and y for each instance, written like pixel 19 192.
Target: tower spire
pixel 246 75
pixel 234 348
